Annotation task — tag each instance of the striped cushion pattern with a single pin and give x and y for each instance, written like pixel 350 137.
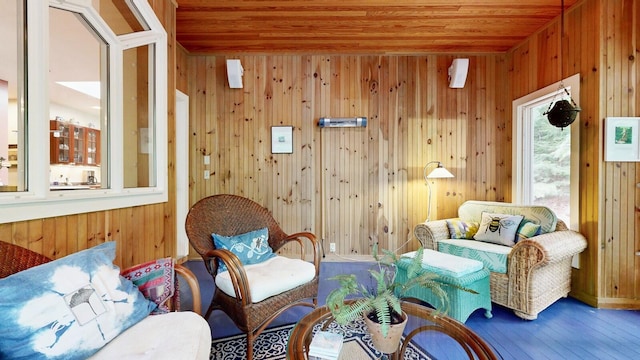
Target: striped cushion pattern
pixel 493 256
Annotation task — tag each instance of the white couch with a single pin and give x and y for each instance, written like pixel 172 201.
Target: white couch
pixel 175 335
pixel 526 277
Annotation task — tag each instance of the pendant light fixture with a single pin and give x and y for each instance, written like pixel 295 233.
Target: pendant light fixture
pixel 563 112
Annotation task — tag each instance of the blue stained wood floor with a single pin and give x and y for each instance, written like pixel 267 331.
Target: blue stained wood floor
pixel 567 329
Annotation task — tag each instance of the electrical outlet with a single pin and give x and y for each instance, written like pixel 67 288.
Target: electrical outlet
pixel 332 247
pixel 207 174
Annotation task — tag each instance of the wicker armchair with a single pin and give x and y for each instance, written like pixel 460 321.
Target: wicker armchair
pixel 538 269
pixel 231 215
pixel 14 258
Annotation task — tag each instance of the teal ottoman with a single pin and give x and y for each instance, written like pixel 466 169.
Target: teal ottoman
pixel 454 270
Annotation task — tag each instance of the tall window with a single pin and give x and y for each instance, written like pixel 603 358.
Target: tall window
pixel 545 157
pixel 83 117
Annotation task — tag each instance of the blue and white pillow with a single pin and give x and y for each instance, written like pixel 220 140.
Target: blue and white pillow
pixel 251 248
pixel 68 308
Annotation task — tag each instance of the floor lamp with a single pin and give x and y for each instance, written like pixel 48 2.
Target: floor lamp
pixel 438 173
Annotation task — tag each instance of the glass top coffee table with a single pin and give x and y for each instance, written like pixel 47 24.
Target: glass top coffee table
pixel 426 333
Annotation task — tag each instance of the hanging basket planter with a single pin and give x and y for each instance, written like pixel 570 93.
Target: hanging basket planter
pixel 563 113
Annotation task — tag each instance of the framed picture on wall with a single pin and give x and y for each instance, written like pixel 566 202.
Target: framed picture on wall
pixel 622 139
pixel 282 139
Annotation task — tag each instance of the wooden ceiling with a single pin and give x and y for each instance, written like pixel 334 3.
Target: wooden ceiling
pixel 360 26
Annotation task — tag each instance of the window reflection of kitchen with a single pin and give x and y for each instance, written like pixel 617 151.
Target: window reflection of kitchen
pixel 65 176
pixel 8 120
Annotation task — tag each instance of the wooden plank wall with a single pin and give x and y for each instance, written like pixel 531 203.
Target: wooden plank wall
pixel 142 233
pixel 601 43
pixel 534 65
pixel 619 277
pixel 414 118
pixel 351 186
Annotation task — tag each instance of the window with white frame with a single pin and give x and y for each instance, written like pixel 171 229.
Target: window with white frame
pixel 82 107
pixel 546 158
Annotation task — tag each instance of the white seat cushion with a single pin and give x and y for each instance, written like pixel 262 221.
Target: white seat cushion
pixel 447 264
pixel 271 277
pixel 175 335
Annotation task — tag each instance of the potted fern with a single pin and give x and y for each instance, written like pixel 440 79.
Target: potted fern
pixel 380 305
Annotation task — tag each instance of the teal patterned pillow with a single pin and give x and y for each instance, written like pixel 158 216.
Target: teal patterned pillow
pixel 251 248
pixel 460 229
pixel 527 229
pixel 68 308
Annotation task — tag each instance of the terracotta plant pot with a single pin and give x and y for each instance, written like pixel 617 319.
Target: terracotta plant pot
pixel 391 342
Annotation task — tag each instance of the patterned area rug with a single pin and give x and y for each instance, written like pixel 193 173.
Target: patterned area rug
pixel 272 345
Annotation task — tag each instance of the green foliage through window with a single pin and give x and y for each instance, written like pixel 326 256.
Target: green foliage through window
pixel 551 161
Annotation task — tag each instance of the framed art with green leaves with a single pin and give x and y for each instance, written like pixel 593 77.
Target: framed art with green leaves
pixel 621 136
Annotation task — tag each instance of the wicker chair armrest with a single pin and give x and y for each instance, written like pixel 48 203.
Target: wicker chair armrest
pixel 559 245
pixel 236 272
pixel 192 281
pixel 297 237
pixel 560 226
pixel 430 232
pixel 542 250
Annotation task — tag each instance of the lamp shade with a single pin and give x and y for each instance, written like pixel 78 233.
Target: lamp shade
pixel 439 173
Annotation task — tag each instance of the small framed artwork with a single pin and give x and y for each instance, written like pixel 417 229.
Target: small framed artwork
pixel 282 139
pixel 622 139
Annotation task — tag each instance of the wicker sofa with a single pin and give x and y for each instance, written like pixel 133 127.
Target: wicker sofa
pixel 536 271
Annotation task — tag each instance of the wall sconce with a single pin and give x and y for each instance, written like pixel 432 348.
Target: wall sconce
pixel 343 122
pixel 234 73
pixel 458 73
pixel 438 173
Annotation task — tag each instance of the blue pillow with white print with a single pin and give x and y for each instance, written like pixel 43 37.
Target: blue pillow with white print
pixel 68 308
pixel 251 248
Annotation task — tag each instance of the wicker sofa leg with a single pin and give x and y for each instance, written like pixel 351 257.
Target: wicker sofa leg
pixel 525 316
